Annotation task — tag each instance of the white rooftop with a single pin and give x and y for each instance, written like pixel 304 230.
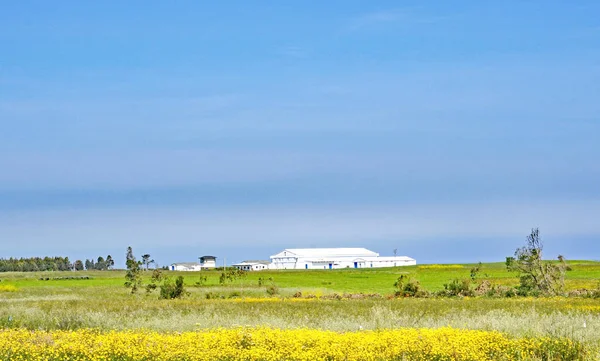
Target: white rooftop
pixel 395 258
pixel 251 262
pixel 187 264
pixel 326 252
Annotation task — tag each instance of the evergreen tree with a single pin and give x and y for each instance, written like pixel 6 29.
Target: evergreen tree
pixel 110 263
pixel 133 277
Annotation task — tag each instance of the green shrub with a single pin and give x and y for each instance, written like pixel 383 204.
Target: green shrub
pixel 457 288
pixel 231 274
pixel 201 281
pixel 408 287
pixel 171 291
pixel 272 290
pixel 157 276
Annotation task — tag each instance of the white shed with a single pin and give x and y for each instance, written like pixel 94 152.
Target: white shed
pixel 252 265
pixel 186 266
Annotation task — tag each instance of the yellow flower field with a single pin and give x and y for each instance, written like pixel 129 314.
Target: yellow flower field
pixel 8 288
pixel 273 344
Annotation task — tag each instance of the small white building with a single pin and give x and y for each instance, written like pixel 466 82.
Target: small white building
pixel 334 258
pixel 252 265
pixel 185 266
pixel 208 262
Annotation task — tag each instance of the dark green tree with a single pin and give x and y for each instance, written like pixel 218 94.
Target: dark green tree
pixel 100 264
pixel 89 264
pixel 78 265
pixel 110 263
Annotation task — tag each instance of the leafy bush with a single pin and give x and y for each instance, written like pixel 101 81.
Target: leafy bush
pixel 170 291
pixel 272 290
pixel 537 276
pixel 408 287
pixel 201 281
pixel 456 287
pixel 231 274
pixel 157 276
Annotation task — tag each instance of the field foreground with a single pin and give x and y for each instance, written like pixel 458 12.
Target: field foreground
pixel 316 315
pixel 272 344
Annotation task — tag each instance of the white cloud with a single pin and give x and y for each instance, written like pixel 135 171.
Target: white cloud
pixel 390 16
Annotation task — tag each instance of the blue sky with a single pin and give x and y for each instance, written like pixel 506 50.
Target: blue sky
pixel 444 130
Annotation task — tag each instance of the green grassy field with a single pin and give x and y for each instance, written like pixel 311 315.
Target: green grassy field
pixel 584 274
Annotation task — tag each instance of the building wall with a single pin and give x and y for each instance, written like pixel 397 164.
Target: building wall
pixel 339 262
pixel 209 264
pixel 251 267
pixel 176 267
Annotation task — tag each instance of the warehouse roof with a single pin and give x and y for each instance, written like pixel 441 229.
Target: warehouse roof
pixel 325 252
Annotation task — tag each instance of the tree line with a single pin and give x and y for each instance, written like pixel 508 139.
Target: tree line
pixel 36 264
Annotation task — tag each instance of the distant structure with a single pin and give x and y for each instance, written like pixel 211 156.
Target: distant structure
pixel 306 258
pixel 334 258
pixel 252 265
pixel 185 266
pixel 208 262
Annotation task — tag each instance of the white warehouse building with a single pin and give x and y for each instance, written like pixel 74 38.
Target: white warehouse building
pixel 333 258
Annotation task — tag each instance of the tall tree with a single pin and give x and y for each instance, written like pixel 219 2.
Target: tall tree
pixel 146 261
pixel 89 264
pixel 100 264
pixel 133 278
pixel 78 265
pixel 110 263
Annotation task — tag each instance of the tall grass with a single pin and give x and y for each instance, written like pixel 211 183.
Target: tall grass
pixel 109 309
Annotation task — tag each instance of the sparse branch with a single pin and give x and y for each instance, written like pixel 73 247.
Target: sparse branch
pixel 535 274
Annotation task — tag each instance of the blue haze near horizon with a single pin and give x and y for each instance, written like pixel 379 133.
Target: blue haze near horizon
pixel 444 130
